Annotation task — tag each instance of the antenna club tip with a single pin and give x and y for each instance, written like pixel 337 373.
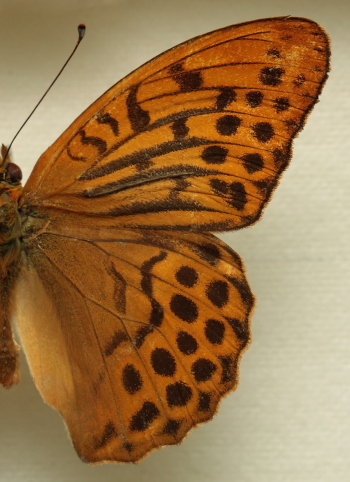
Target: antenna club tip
pixel 81 30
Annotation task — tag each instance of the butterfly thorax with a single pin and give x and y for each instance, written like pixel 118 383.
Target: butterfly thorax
pixel 10 222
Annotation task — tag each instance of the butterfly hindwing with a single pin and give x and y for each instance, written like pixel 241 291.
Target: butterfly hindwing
pixel 150 335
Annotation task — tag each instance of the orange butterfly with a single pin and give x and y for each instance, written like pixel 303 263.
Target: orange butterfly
pixel 133 316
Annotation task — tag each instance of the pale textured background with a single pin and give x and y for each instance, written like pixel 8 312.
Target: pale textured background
pixel 289 419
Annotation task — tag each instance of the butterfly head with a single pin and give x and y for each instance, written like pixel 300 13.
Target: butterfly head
pixel 9 171
pixel 10 179
pixel 10 193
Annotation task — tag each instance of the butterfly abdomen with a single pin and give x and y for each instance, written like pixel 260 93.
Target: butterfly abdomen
pixel 10 256
pixel 9 361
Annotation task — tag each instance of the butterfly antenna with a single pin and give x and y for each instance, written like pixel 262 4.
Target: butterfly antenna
pixel 81 33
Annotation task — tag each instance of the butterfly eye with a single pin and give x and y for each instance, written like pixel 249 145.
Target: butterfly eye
pixel 14 172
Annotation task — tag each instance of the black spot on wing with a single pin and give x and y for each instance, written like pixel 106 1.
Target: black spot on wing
pixel 204 402
pixel 139 118
pixel 157 313
pixel 188 81
pixel 253 162
pixel 119 294
pixel 239 330
pixel 184 308
pixel 109 120
pixel 299 81
pixel 281 156
pixel 96 142
pixel 217 292
pixel 238 195
pixel 208 252
pixel 254 98
pixel 131 378
pixel 224 99
pixel 146 268
pixel 108 433
pixel 203 369
pixel 172 426
pixel 144 417
pixel 173 69
pixel 163 362
pixel 186 276
pixel 214 154
pixel 228 125
pixel 271 76
pixel 214 331
pixel 129 447
pixel 263 131
pixel 118 338
pixel 281 104
pixel 141 335
pixel 219 186
pixel 243 289
pixel 180 128
pixel 178 394
pixel 186 343
pixel 229 366
pixel 276 54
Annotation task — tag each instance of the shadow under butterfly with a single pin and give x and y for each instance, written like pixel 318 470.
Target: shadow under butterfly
pixel 132 315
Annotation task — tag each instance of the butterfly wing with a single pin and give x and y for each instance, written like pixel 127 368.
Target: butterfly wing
pixel 205 128
pixel 134 340
pixel 137 323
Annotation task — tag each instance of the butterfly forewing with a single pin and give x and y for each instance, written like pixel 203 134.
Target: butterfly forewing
pixel 205 128
pixel 132 314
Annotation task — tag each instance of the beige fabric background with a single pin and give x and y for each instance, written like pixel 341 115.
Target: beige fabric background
pixel 289 419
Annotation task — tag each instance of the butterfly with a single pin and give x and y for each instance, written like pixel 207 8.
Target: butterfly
pixel 132 314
